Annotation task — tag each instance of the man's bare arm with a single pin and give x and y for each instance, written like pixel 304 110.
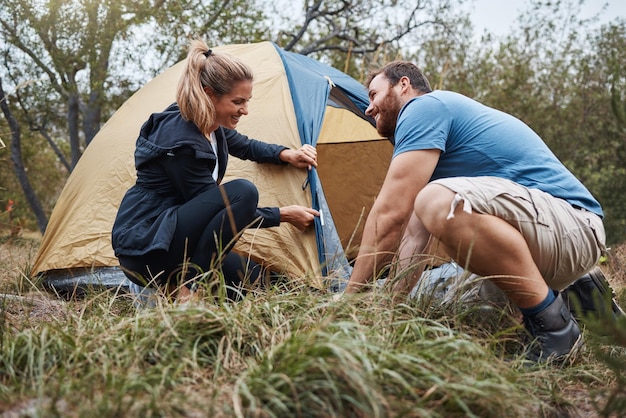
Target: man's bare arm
pixel 408 173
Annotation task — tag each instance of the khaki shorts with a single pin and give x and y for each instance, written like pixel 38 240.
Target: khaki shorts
pixel 565 242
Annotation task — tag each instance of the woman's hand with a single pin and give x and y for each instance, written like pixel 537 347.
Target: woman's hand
pixel 305 156
pixel 299 216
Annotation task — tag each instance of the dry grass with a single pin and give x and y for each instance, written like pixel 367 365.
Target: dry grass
pixel 616 266
pixel 277 354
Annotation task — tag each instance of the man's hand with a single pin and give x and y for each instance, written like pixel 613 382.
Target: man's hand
pixel 299 216
pixel 303 157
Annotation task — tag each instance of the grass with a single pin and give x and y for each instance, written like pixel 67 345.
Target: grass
pixel 286 352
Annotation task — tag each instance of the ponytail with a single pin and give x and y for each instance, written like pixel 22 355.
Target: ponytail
pixel 207 68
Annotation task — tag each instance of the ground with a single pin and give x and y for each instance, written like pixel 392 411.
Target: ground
pixel 17 254
pixel 22 304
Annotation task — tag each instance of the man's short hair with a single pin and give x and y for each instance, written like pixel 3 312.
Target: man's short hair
pixel 395 70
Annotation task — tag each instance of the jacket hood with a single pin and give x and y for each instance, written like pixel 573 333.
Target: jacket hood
pixel 164 132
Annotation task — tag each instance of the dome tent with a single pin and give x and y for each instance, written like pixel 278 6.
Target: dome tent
pixel 296 100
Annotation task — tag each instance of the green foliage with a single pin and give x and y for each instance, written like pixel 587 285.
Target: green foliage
pixel 68 65
pixel 561 75
pixel 46 173
pixel 608 342
pixel 48 189
pixel 220 23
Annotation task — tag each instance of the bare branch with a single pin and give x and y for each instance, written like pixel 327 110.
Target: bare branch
pixel 353 26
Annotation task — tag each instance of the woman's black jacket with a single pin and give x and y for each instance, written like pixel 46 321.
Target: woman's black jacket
pixel 174 163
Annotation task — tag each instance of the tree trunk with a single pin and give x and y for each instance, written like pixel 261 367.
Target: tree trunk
pixel 73 109
pixel 91 117
pixel 18 165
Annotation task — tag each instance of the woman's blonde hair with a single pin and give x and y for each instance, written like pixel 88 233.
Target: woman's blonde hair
pixel 206 68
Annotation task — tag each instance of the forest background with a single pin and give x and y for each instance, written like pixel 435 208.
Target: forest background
pixel 67 65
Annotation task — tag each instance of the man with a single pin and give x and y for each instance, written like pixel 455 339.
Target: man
pixel 484 186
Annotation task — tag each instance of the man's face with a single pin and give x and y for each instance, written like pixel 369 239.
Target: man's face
pixel 384 105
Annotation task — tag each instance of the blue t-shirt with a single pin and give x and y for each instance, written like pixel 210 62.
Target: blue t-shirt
pixel 476 140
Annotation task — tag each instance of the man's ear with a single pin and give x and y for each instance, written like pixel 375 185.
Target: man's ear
pixel 405 83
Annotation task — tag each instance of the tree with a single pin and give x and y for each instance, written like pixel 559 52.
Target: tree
pixel 220 22
pixel 84 51
pixel 75 61
pixel 16 159
pixel 564 77
pixel 71 43
pixel 608 144
pixel 354 34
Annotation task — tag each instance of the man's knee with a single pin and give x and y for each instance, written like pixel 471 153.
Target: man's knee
pixel 432 204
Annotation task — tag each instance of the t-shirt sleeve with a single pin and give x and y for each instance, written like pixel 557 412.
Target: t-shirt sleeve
pixel 423 123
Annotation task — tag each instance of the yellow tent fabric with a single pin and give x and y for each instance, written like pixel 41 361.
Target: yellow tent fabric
pixel 78 232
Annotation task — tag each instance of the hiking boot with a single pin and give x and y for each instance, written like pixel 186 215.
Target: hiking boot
pixel 592 296
pixel 555 332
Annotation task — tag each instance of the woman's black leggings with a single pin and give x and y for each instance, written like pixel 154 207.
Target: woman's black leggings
pixel 206 230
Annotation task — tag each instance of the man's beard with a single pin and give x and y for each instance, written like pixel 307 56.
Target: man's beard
pixel 388 115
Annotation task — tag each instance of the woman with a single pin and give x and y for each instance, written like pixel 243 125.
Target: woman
pixel 178 222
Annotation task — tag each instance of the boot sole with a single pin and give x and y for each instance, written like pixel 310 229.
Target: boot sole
pixel 603 286
pixel 569 358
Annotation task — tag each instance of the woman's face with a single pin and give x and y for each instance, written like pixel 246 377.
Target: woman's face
pixel 232 106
